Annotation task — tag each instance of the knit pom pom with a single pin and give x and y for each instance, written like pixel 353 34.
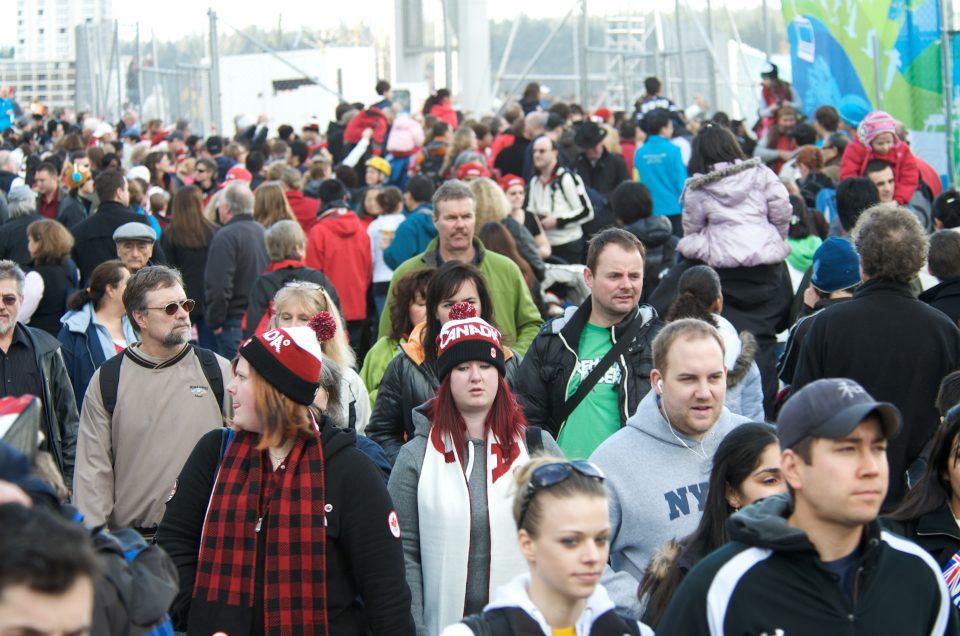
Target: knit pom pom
pixel 324 325
pixel 461 311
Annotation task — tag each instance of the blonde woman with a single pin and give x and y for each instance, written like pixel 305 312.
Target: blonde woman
pixel 492 205
pixel 270 205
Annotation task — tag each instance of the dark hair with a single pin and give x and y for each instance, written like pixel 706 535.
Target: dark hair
pixel 876 165
pixel 188 226
pixel 421 188
pixel 43 552
pixel 736 457
pixel 828 117
pixel 854 195
pixel 561 108
pixel 331 190
pixel 944 256
pixel 495 237
pixel 107 273
pixel 532 91
pixel 651 85
pixel 362 207
pixel 611 236
pixel 801 222
pixel 630 202
pixel 949 394
pixel 144 281
pixel 837 140
pixel 713 144
pixel 341 110
pixel 804 134
pixel 107 183
pixel 346 175
pixel 697 290
pixel 627 130
pixel 382 87
pixel 55 242
pixel 49 168
pixel 933 491
pixel 254 162
pixel 390 200
pixel 946 208
pixel 284 131
pixel 300 150
pixel 654 121
pixel 405 291
pixel 444 284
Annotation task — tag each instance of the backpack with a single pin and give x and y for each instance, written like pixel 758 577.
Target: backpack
pixel 138 585
pixel 503 621
pixel 110 377
pixel 433 162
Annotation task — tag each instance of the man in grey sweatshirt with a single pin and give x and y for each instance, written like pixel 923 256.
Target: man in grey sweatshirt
pixel 658 466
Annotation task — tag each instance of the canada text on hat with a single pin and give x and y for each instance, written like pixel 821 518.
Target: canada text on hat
pixel 831 408
pixel 134 231
pixel 466 337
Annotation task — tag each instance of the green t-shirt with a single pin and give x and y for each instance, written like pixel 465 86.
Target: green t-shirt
pixel 597 417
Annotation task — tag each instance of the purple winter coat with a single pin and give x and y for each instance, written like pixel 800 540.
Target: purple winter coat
pixel 736 216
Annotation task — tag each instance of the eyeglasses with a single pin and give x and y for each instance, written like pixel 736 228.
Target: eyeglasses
pixel 10 300
pixel 170 308
pixel 550 475
pixel 303 284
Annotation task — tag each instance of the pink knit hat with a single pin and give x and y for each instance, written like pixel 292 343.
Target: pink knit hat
pixel 874 125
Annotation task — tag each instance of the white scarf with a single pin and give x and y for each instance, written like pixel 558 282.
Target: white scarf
pixel 443 504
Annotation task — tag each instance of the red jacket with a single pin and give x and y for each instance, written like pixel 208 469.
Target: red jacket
pixel 339 246
pixel 906 173
pixel 304 208
pixel 503 140
pixel 444 112
pixel 370 118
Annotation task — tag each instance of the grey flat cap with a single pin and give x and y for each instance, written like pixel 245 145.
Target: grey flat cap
pixel 134 231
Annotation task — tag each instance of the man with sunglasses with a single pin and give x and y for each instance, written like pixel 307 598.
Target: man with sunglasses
pixel 31 363
pixel 145 409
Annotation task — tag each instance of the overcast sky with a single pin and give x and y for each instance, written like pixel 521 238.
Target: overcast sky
pixel 171 19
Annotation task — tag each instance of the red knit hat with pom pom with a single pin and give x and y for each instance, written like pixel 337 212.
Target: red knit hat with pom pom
pixel 465 337
pixel 290 359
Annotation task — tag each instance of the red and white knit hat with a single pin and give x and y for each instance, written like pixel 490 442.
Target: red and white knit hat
pixel 290 358
pixel 874 125
pixel 466 337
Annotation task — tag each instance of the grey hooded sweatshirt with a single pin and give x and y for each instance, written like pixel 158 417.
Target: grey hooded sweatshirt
pixel 657 481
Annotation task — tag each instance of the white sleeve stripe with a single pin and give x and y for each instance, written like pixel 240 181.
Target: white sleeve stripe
pixel 725 582
pixel 943 615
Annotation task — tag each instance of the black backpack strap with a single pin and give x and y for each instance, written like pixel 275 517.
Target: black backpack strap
pixel 503 621
pixel 611 623
pixel 534 439
pixel 110 382
pixel 212 372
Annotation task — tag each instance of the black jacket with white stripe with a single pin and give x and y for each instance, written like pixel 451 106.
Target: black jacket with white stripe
pixel 770 580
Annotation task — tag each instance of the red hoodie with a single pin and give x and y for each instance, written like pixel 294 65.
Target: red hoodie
pixel 444 112
pixel 339 247
pixel 906 173
pixel 304 208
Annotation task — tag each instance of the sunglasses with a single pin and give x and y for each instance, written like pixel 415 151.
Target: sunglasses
pixel 302 284
pixel 550 475
pixel 10 300
pixel 170 308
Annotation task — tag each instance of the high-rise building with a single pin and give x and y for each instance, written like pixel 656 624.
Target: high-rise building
pixel 46 29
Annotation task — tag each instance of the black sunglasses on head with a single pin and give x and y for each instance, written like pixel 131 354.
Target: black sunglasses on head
pixel 170 308
pixel 550 475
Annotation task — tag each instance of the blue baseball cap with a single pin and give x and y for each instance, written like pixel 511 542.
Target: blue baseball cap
pixel 836 265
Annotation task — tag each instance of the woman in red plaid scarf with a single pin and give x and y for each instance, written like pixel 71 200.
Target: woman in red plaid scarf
pixel 452 482
pixel 280 525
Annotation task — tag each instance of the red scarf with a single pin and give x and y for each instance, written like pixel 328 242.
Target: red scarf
pixel 292 502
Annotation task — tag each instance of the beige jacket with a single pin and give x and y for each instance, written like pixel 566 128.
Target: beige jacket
pixel 126 468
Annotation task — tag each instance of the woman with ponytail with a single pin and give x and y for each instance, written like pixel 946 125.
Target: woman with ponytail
pixel 455 475
pixel 699 296
pixel 278 525
pixel 95 327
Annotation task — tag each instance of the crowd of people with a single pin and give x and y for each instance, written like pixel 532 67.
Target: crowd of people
pixel 551 371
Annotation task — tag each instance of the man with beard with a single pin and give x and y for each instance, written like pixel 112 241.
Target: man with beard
pixel 145 409
pixel 31 363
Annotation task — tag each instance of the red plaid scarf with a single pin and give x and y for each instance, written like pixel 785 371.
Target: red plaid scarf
pixel 295 562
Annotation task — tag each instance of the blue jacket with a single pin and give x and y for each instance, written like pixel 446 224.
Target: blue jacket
pixel 412 237
pixel 84 343
pixel 661 169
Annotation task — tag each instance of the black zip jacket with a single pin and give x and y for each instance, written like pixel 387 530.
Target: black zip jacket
pixel 93 237
pixel 552 359
pixel 770 580
pixel 936 532
pixel 367 590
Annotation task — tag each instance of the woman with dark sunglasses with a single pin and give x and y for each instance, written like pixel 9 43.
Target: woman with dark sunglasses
pixel 563 528
pixel 455 476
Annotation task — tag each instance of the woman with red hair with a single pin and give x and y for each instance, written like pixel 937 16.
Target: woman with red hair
pixel 455 474
pixel 279 525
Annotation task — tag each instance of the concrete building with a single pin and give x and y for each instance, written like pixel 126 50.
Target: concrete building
pixel 46 28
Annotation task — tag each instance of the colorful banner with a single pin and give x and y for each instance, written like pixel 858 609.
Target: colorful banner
pixel 833 47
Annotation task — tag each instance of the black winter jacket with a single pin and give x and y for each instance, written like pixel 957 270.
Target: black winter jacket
pixel 191 261
pixel 656 234
pixel 408 382
pixel 552 359
pixel 268 284
pixel 13 239
pixel 607 173
pixel 936 532
pixel 237 256
pixel 945 297
pixel 895 347
pixel 367 590
pixel 770 580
